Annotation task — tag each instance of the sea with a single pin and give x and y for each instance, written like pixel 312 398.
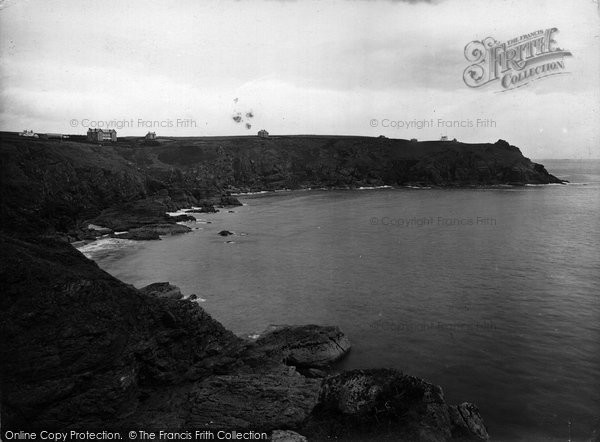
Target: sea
pixel 492 293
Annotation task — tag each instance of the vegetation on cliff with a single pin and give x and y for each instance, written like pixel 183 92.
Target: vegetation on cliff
pixel 61 186
pixel 81 349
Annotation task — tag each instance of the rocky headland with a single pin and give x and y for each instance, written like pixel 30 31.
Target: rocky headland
pixel 61 187
pixel 81 349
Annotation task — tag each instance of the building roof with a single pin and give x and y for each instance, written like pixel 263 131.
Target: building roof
pixel 101 130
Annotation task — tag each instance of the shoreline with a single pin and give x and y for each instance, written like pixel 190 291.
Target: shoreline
pixel 142 346
pixel 182 211
pixel 281 380
pixel 386 187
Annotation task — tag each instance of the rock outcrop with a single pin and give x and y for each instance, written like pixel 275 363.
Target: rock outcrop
pixel 268 400
pixel 183 218
pixel 228 200
pixel 153 231
pixel 305 346
pixel 81 349
pixel 379 404
pixel 162 290
pixel 64 187
pixel 467 422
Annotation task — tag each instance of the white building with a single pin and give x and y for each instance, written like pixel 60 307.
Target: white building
pixel 100 135
pixel 28 133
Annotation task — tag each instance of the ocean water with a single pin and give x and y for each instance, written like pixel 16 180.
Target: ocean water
pixel 494 294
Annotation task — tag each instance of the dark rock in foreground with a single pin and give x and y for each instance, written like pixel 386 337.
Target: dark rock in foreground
pixel 306 346
pixel 269 400
pixel 467 422
pixel 225 233
pixel 81 349
pixel 379 404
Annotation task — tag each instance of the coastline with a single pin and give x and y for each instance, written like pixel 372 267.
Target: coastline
pixel 78 209
pixel 279 205
pixel 181 211
pixel 143 373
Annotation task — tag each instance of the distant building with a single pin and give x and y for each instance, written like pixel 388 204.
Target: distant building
pixel 28 133
pixel 151 136
pixel 100 135
pixel 263 133
pixel 444 138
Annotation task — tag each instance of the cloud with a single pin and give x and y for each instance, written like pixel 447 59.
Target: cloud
pixel 299 67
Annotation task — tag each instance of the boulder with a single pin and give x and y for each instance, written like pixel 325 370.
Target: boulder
pixel 225 233
pixel 305 345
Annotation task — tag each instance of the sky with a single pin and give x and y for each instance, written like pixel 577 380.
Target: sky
pixel 351 67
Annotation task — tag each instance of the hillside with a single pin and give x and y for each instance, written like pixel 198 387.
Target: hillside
pixel 81 349
pixel 60 184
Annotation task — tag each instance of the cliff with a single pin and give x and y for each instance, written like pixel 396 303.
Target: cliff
pixel 81 349
pixel 60 186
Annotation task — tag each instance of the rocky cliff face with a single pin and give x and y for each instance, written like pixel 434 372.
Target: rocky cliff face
pixel 250 163
pixel 387 404
pixel 63 185
pixel 81 349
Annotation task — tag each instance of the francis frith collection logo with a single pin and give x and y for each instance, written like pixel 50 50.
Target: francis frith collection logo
pixel 516 62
